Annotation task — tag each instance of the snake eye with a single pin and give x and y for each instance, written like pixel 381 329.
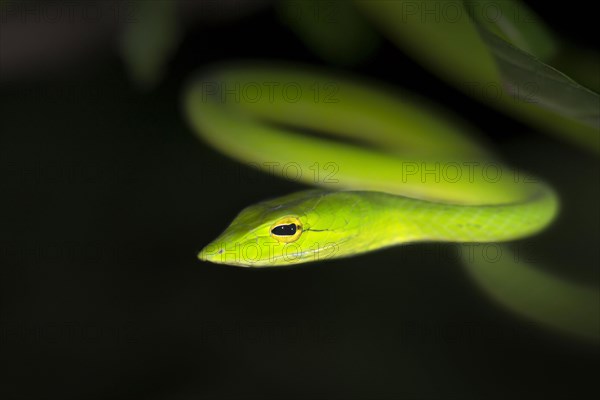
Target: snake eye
pixel 286 230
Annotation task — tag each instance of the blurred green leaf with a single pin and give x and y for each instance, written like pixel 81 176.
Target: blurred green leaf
pixel 549 88
pixel 530 84
pixel 148 43
pixel 334 30
pixel 470 49
pixel 583 64
pixel 514 22
pixel 537 295
pixel 438 34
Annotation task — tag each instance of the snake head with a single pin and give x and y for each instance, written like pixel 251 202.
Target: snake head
pixel 283 231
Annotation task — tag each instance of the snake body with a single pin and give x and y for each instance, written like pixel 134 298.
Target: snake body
pixel 415 175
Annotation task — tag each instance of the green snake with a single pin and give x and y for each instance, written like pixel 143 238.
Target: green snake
pixel 390 169
pixel 404 171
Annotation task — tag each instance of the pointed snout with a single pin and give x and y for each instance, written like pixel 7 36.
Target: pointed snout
pixel 211 253
pixel 215 252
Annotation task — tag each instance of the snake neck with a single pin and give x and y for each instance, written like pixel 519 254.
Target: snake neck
pixel 396 219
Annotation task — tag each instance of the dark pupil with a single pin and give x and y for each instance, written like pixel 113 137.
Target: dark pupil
pixel 284 230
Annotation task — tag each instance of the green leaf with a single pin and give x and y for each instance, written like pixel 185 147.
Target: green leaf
pixel 334 30
pixel 148 43
pixel 462 44
pixel 514 22
pixel 536 295
pixel 549 88
pixel 438 34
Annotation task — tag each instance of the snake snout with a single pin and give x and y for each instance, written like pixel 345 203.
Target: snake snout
pixel 211 253
pixel 220 252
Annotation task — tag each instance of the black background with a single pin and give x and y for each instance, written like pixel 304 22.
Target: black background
pixel 107 196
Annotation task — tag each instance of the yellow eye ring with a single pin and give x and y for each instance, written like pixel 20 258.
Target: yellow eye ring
pixel 286 229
